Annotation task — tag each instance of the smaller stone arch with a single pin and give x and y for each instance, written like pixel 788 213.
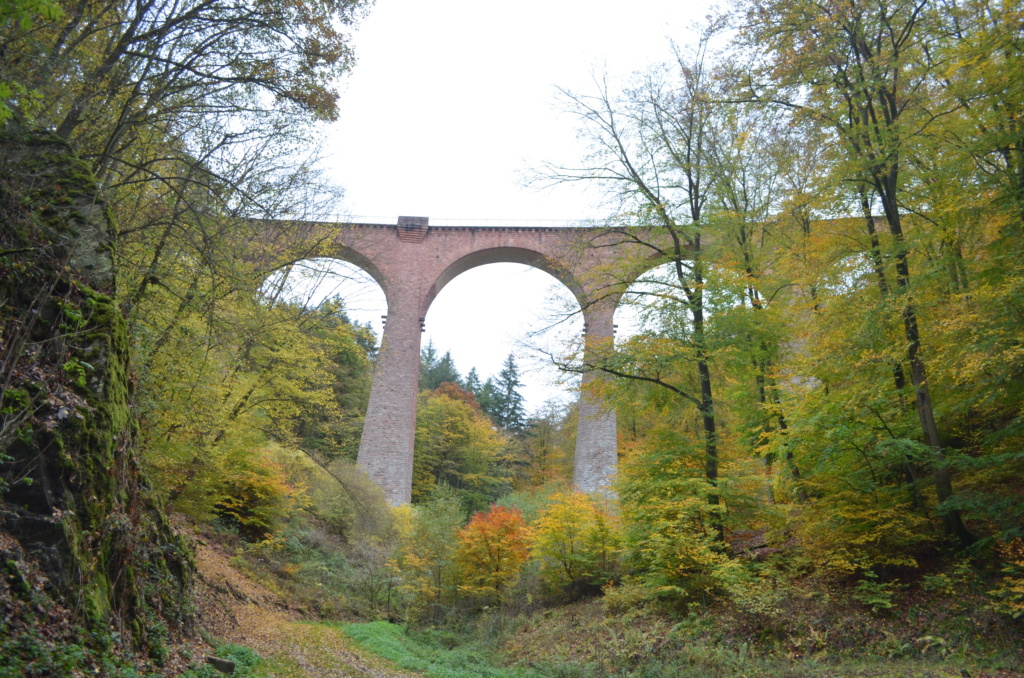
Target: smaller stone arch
pixel 353 256
pixel 596 440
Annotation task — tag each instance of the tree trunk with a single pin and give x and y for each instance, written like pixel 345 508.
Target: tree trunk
pixel 707 403
pixel 951 519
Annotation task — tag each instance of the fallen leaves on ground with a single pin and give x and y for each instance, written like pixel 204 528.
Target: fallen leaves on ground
pixel 234 609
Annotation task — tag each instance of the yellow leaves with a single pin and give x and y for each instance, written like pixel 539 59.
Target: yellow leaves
pixel 257 492
pixel 425 564
pixel 847 531
pixel 222 398
pixel 576 541
pixel 456 445
pixel 403 520
pixel 1009 594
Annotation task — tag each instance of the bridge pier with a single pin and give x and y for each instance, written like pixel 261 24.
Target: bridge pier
pixel 389 430
pixel 596 433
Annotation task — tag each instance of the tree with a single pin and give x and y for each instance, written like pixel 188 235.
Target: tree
pixel 501 400
pixel 426 559
pixel 549 444
pixel 264 374
pixel 134 61
pixel 650 152
pixel 856 67
pixel 428 361
pixel 667 538
pixel 456 447
pixel 22 13
pixel 577 543
pixel 456 392
pixel 487 397
pixel 751 153
pixel 256 494
pixel 492 550
pixel 472 383
pixel 979 47
pixel 333 433
pixel 435 371
pixel 196 116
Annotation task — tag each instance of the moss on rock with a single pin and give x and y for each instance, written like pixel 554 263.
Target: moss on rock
pixel 74 496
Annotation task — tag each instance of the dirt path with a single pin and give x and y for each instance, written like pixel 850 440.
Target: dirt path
pixel 233 608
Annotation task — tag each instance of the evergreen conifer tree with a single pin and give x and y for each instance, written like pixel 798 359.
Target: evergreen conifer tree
pixel 501 400
pixel 488 399
pixel 444 371
pixel 435 371
pixel 428 360
pixel 472 383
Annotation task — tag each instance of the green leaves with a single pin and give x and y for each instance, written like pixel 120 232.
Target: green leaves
pixel 457 447
pixel 23 12
pixel 75 369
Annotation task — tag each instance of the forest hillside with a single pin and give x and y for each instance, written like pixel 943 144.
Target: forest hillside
pixel 821 414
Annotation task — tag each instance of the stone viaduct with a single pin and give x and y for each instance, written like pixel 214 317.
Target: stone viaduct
pixel 413 261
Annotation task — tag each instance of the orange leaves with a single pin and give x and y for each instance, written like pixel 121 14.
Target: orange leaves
pixel 456 392
pixel 492 550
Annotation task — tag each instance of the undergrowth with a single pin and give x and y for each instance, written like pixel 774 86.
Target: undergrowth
pixel 785 620
pixel 811 629
pixel 317 570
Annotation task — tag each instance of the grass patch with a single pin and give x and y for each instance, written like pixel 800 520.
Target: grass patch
pixel 247 663
pixel 427 653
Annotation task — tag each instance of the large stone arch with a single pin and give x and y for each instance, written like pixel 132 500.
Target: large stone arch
pixel 356 258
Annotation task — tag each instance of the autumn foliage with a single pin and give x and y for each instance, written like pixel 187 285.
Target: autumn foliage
pixel 1010 592
pixel 493 548
pixel 577 542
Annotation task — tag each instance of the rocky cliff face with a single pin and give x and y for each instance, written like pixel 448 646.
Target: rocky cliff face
pixel 72 494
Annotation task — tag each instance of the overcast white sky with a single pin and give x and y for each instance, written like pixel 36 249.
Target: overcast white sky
pixel 450 103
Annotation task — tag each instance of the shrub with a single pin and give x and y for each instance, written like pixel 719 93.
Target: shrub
pixel 492 550
pixel 1009 594
pixel 577 543
pixel 426 561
